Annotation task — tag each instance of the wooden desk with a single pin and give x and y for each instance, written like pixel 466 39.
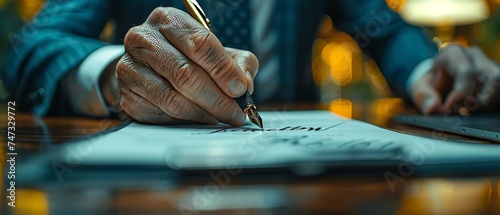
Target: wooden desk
pixel 144 194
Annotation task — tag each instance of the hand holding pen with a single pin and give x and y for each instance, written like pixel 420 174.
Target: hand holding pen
pixel 175 70
pixel 245 101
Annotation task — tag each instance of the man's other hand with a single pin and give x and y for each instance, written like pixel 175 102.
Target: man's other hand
pixel 460 78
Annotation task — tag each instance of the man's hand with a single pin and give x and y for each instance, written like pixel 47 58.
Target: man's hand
pixel 175 70
pixel 460 77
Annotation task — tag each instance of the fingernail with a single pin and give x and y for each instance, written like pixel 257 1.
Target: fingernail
pixel 237 88
pixel 250 87
pixel 249 76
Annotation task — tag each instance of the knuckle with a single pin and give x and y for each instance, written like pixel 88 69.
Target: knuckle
pixel 121 67
pixel 452 51
pixel 133 34
pixel 125 64
pixel 201 44
pixel 127 73
pixel 204 48
pixel 252 61
pixel 185 77
pixel 251 56
pixel 221 105
pixel 168 17
pixel 161 15
pixel 223 69
pixel 475 50
pixel 141 37
pixel 454 48
pixel 247 54
pixel 174 105
pixel 167 64
pixel 157 10
pixel 156 93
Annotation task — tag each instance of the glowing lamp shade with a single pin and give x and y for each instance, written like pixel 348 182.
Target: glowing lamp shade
pixel 444 12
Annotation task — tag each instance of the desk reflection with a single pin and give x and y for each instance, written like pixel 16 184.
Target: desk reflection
pixel 110 191
pixel 309 196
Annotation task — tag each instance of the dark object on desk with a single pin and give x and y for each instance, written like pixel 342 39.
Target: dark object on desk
pixel 479 126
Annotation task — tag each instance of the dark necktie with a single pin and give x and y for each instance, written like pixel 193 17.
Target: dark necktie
pixel 230 22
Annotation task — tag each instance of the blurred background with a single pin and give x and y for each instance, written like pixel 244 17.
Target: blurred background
pixel 350 82
pixel 351 85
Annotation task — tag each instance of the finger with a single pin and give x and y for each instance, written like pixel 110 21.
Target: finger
pixel 189 79
pixel 142 110
pixel 489 78
pixel 147 84
pixel 425 96
pixel 202 47
pixel 248 63
pixel 454 60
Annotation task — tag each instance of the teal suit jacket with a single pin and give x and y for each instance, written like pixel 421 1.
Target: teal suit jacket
pixel 65 32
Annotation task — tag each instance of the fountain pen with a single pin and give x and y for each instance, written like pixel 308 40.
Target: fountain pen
pixel 245 101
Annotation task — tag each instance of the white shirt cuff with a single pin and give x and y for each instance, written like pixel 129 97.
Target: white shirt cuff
pixel 84 93
pixel 418 72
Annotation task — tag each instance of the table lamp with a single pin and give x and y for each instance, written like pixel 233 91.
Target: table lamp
pixel 444 15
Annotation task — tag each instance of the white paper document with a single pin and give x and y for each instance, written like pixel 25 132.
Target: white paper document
pixel 292 138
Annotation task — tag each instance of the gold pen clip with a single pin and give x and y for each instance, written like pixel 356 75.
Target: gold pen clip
pixel 203 17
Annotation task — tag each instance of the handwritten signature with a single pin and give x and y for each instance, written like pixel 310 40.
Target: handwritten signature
pixel 287 128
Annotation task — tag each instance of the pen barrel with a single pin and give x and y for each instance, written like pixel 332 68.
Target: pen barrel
pixel 245 101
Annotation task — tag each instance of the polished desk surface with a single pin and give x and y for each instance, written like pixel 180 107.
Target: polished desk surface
pixel 329 194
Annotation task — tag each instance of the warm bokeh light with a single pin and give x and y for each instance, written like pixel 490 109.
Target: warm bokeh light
pixel 445 33
pixel 395 5
pixel 320 72
pixel 343 74
pixel 107 32
pixel 442 196
pixel 339 58
pixel 342 107
pixel 384 109
pixel 326 26
pixel 462 41
pixel 31 202
pixel 376 76
pixel 28 8
pixel 341 55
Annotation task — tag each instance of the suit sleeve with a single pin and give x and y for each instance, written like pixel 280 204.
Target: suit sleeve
pixel 396 46
pixel 56 41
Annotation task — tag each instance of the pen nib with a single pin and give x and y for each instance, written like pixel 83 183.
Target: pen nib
pixel 254 117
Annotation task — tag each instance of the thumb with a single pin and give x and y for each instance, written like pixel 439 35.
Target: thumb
pixel 426 97
pixel 248 63
pixel 244 68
